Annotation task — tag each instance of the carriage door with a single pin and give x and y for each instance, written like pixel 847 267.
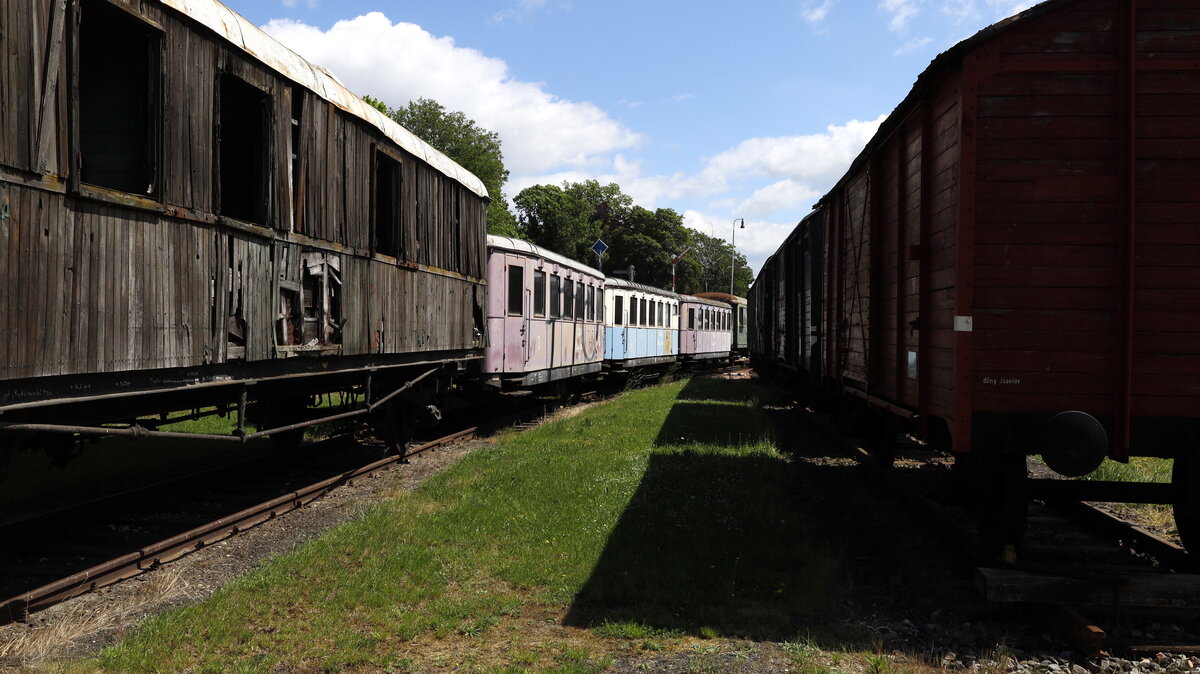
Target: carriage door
pixel 516 325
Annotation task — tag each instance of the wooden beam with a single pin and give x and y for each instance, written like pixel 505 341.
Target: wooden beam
pixel 1132 589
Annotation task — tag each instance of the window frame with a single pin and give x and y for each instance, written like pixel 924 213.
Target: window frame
pixel 618 309
pixel 519 295
pixel 155 99
pixel 555 296
pixel 379 155
pixel 539 293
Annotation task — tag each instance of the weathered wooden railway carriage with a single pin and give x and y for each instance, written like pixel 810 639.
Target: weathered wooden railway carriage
pixel 186 205
pixel 1012 259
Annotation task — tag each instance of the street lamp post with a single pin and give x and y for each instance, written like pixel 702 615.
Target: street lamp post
pixel 733 250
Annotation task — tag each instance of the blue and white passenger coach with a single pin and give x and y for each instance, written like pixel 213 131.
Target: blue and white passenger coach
pixel 641 325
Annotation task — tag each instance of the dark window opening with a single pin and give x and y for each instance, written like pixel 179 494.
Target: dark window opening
pixel 387 205
pixel 691 319
pixel 242 150
pixel 516 288
pixel 591 303
pixel 297 166
pixel 579 300
pixel 633 310
pixel 119 108
pixel 618 310
pixel 555 299
pixel 653 315
pixel 643 314
pixel 539 293
pixel 568 292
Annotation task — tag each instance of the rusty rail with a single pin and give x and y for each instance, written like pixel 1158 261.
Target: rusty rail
pixel 17 609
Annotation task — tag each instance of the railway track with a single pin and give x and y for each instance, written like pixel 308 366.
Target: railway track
pixel 190 532
pixel 120 560
pixel 1102 582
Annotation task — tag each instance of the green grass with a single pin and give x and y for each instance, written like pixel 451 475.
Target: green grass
pixel 661 514
pixel 1139 469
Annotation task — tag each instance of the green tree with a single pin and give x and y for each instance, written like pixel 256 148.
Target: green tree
pixel 460 138
pixel 714 256
pixel 556 219
pixel 569 219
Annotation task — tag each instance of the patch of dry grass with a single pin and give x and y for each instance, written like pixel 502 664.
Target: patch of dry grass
pixel 32 644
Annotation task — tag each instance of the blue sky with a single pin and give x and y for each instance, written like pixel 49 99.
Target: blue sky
pixel 719 110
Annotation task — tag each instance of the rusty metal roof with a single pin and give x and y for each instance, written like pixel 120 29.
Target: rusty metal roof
pixel 251 39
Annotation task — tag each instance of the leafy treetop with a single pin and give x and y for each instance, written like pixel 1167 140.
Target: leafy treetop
pixel 460 138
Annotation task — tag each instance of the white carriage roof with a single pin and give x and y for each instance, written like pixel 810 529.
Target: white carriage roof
pixel 252 40
pixel 527 248
pixel 692 299
pixel 630 285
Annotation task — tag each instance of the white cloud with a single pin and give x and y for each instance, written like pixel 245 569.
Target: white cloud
pixel 779 196
pixel 815 159
pixel 912 46
pixel 813 13
pixel 960 10
pixel 400 62
pixel 522 9
pixel 1006 8
pixel 757 241
pixel 902 12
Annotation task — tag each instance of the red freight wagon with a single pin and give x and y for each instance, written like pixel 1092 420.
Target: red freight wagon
pixel 1013 262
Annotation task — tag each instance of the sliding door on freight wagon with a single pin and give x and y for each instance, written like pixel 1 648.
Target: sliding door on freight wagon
pixel 889 240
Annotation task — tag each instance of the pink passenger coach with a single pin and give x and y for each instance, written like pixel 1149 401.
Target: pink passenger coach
pixel 705 328
pixel 545 316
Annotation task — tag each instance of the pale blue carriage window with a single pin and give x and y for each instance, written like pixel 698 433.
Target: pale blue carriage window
pixel 633 313
pixel 644 313
pixel 662 319
pixel 653 319
pixel 516 288
pixel 618 309
pixel 539 292
pixel 579 300
pixel 555 299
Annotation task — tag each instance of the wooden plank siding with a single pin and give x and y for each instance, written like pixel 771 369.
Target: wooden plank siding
pixel 104 282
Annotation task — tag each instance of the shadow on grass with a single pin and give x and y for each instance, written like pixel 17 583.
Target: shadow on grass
pixel 717 389
pixel 713 412
pixel 709 545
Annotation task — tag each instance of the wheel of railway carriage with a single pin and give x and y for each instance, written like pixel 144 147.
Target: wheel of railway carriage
pixel 393 424
pixel 8 451
pixel 285 412
pixel 883 445
pixel 997 498
pixel 1185 487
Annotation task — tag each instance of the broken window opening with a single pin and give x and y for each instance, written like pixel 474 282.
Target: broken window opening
pixel 119 107
pixel 386 223
pixel 242 150
pixel 321 318
pixel 235 323
pixel 296 166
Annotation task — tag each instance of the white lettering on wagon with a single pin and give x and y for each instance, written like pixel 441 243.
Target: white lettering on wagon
pixel 1001 381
